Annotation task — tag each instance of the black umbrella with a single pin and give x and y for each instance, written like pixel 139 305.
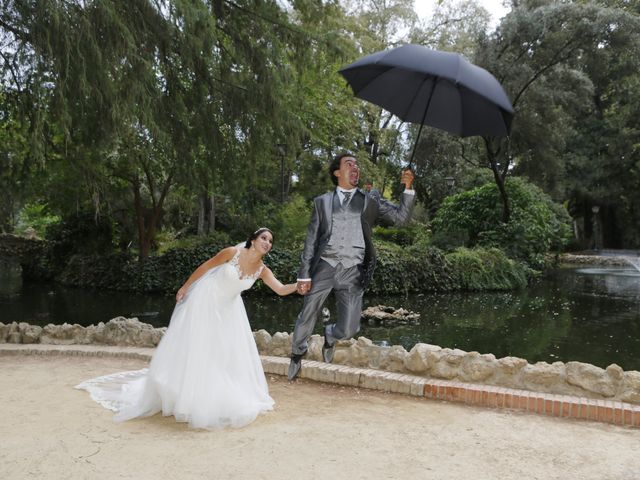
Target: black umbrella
pixel 435 88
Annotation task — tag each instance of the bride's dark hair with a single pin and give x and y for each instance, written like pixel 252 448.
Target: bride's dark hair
pixel 255 235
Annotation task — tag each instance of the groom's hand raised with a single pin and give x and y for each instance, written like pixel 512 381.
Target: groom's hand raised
pixel 407 178
pixel 303 286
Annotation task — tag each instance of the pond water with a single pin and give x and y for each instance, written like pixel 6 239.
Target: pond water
pixel 583 314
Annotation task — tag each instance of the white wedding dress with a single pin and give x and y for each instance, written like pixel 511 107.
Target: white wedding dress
pixel 206 369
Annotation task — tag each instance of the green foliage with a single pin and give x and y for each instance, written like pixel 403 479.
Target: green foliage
pixel 164 273
pixel 36 217
pixel 294 218
pixel 32 254
pixel 137 111
pixel 400 270
pixel 242 218
pixel 188 243
pixel 17 175
pixel 403 236
pixel 486 269
pixel 535 228
pixel 80 234
pixel 407 270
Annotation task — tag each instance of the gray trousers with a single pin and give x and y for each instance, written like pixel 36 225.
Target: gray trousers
pixel 346 284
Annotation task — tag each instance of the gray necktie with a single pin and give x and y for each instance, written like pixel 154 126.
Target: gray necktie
pixel 347 195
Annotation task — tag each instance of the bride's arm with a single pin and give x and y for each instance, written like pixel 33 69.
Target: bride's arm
pixel 221 257
pixel 274 284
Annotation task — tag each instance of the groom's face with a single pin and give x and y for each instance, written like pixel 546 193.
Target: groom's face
pixel 348 174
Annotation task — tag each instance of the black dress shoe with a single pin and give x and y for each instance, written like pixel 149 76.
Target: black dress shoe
pixel 295 365
pixel 327 350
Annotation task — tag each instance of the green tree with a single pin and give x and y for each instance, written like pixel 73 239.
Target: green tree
pixel 147 95
pixel 537 54
pixel 472 219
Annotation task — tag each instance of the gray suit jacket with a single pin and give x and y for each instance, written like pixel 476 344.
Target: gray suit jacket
pixel 376 209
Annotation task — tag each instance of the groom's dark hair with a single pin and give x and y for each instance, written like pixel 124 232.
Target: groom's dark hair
pixel 335 165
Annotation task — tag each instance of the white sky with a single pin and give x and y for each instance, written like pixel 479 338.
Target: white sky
pixel 424 7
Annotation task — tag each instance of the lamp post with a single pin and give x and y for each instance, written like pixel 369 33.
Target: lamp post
pixel 282 150
pixel 597 244
pixel 450 182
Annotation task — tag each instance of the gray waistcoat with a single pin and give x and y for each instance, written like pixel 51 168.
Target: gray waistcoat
pixel 346 243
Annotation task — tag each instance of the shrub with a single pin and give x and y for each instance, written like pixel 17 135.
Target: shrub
pixel 293 221
pixel 537 224
pixel 400 270
pixel 403 236
pixel 486 269
pixel 35 216
pixel 414 269
pixel 83 234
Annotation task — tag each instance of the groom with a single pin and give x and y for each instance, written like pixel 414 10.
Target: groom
pixel 338 254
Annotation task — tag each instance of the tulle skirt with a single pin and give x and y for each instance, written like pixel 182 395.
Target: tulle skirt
pixel 206 370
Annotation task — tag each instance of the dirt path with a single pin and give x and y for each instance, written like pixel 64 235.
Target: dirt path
pixel 318 431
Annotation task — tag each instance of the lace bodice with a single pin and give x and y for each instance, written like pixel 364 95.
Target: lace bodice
pixel 235 262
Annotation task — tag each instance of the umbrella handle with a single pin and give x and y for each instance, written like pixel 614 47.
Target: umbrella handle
pixel 415 144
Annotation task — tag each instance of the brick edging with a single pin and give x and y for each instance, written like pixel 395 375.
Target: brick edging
pixel 553 405
pixel 488 396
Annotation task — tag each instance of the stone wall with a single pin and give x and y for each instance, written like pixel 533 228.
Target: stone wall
pixel 20 247
pixel 118 331
pixel 616 260
pixel 430 361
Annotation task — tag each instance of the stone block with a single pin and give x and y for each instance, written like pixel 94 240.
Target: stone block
pixel 31 334
pixel 4 332
pixel 542 374
pixel 615 372
pixel 14 337
pixel 590 378
pixel 363 353
pixel 476 367
pixel 445 363
pixel 314 351
pixel 128 332
pixel 511 365
pixel 630 388
pixel 417 360
pixel 392 358
pixel 280 345
pixel 263 341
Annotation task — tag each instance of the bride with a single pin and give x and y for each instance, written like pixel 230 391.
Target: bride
pixel 206 370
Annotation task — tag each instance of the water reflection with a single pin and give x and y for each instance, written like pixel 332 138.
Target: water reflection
pixel 10 277
pixel 575 314
pixel 619 281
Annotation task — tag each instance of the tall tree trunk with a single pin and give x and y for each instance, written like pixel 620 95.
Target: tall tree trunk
pixel 143 242
pixel 211 224
pixel 202 207
pixel 499 176
pixel 287 184
pixel 506 206
pixel 148 224
pixel 206 214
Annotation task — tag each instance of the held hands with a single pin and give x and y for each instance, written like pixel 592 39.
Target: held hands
pixel 304 286
pixel 407 178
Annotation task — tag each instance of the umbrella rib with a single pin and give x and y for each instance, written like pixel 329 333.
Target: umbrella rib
pixel 424 116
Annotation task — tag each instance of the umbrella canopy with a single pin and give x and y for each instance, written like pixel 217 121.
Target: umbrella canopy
pixel 430 87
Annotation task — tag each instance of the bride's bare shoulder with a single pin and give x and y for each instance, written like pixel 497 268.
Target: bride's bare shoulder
pixel 227 253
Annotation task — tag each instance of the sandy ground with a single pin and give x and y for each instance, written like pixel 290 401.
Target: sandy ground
pixel 317 431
